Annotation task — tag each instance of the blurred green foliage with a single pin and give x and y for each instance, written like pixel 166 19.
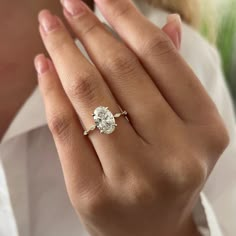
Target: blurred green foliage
pixel 225 39
pixel 226 42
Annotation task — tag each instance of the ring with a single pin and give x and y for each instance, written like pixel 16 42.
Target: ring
pixel 104 120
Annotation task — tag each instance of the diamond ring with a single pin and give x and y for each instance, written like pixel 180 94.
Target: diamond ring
pixel 104 120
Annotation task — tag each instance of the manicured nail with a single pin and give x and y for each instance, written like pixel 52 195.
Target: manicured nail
pixel 175 18
pixel 48 21
pixel 73 7
pixel 41 64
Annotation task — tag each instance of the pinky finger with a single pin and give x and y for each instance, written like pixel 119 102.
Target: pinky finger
pixel 80 164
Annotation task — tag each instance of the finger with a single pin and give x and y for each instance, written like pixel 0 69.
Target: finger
pixel 173 29
pixel 78 159
pixel 172 75
pixel 85 87
pixel 123 72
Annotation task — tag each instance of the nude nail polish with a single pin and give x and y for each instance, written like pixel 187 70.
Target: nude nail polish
pixel 41 64
pixel 48 21
pixel 73 7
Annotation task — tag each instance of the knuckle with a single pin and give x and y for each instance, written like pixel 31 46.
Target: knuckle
pixel 83 86
pixel 194 176
pixel 124 9
pixel 186 176
pixel 120 174
pixel 141 192
pixel 60 125
pixel 120 62
pixel 224 139
pixel 220 137
pixel 94 205
pixel 89 198
pixel 89 29
pixel 144 195
pixel 159 46
pixel 58 43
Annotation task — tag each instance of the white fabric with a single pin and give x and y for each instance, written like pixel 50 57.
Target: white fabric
pixel 33 199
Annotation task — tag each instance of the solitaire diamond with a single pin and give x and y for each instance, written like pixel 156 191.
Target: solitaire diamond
pixel 104 120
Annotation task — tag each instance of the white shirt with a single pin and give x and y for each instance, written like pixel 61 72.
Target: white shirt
pixel 33 198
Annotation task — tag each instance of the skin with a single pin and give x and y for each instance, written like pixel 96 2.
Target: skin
pixel 16 74
pixel 93 199
pixel 145 178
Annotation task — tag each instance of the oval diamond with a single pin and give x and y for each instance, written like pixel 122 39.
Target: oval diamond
pixel 104 120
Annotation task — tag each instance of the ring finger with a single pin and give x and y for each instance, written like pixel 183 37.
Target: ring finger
pixel 83 85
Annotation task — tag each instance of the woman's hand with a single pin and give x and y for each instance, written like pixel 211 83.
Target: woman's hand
pixel 144 178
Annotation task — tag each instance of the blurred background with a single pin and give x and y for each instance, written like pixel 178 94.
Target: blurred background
pixel 222 32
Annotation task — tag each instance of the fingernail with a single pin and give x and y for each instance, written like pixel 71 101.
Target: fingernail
pixel 48 21
pixel 73 7
pixel 175 18
pixel 41 64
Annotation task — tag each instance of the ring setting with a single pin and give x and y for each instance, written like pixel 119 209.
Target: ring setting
pixel 104 120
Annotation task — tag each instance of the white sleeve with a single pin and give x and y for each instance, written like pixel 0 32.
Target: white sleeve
pixel 215 213
pixel 220 188
pixel 205 219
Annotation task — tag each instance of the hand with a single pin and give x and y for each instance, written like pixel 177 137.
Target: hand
pixel 145 177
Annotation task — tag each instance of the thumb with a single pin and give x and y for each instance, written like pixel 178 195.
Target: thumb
pixel 173 29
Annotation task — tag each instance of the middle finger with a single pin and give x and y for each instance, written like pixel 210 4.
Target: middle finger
pixel 121 68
